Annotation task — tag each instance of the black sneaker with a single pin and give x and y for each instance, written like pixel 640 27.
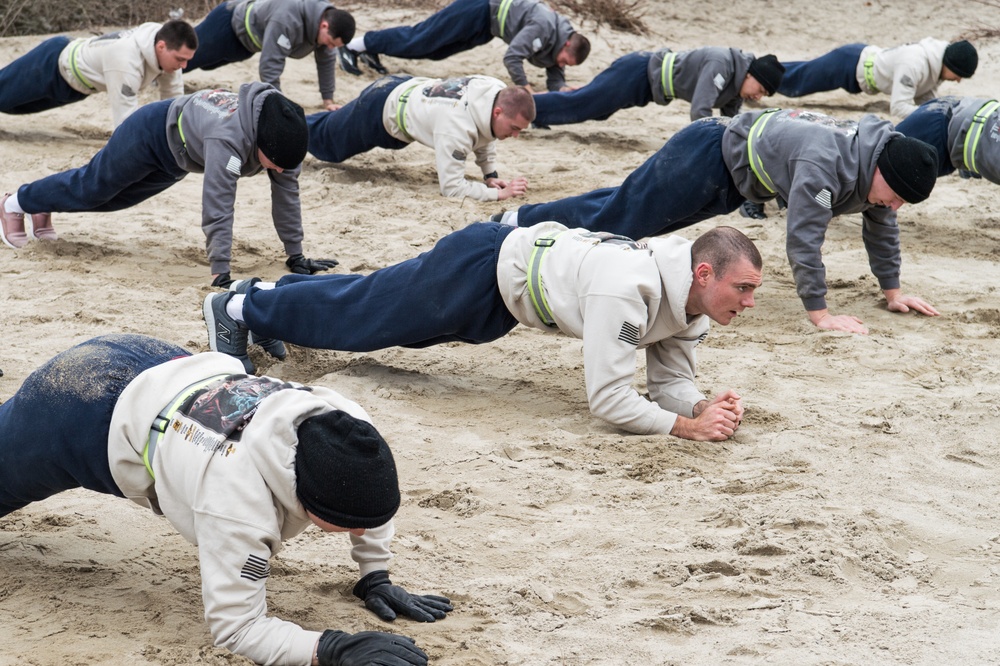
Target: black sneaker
pixel 371 59
pixel 754 211
pixel 224 333
pixel 275 348
pixel 348 61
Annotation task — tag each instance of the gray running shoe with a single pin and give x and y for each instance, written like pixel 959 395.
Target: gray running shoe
pixel 371 59
pixel 224 333
pixel 348 61
pixel 275 348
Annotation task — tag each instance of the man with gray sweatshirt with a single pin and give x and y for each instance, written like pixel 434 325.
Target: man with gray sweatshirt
pixel 709 78
pixel 453 117
pixel 277 29
pixel 532 31
pixel 965 131
pixel 478 283
pixel 821 166
pixel 237 464
pixel 221 134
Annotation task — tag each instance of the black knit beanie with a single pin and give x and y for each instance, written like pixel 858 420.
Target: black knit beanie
pixel 282 134
pixel 961 58
pixel 768 72
pixel 909 167
pixel 344 471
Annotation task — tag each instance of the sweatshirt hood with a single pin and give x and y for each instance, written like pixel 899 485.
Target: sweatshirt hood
pixel 673 260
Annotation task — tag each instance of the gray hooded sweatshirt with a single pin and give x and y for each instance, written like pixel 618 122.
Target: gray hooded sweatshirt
pixel 823 167
pixel 220 140
pixel 709 78
pixel 285 29
pixel 535 33
pixel 985 158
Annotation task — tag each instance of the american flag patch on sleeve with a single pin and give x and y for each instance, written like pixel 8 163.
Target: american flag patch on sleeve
pixel 824 198
pixel 629 334
pixel 234 165
pixel 255 568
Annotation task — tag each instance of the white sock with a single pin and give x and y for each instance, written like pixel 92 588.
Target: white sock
pixel 357 44
pixel 509 218
pixel 12 206
pixel 234 308
pixel 265 285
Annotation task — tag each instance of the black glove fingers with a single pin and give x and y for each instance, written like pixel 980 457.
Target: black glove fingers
pixel 444 603
pixel 380 607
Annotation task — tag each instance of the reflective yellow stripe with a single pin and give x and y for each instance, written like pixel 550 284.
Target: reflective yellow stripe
pixel 756 164
pixel 76 70
pixel 667 75
pixel 166 415
pixel 870 73
pixel 246 24
pixel 404 99
pixel 975 132
pixel 535 287
pixel 180 128
pixel 502 14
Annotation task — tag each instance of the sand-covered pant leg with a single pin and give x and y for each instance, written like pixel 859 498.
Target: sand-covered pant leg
pixel 54 430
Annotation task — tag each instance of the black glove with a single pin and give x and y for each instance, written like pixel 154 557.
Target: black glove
pixel 223 280
pixel 387 600
pixel 299 264
pixel 754 211
pixel 337 648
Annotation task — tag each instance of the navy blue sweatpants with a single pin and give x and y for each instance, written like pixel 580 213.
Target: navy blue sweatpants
pixel 134 165
pixel 217 42
pixel 836 69
pixel 32 83
pixel 684 182
pixel 462 25
pixel 447 294
pixel 54 430
pixel 622 85
pixel 929 123
pixel 356 127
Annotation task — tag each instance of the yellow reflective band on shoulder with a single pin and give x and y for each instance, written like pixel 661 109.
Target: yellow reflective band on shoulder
pixel 975 133
pixel 246 24
pixel 667 75
pixel 756 164
pixel 404 99
pixel 76 70
pixel 166 415
pixel 502 11
pixel 870 73
pixel 535 287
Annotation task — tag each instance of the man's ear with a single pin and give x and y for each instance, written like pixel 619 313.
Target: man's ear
pixel 703 272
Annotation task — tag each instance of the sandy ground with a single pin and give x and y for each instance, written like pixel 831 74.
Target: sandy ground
pixel 853 519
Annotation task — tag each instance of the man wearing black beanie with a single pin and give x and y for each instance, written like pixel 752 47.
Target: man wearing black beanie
pixel 709 78
pixel 237 464
pixel 910 73
pixel 223 135
pixel 821 166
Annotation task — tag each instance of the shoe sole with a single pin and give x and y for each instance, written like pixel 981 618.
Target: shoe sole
pixel 210 322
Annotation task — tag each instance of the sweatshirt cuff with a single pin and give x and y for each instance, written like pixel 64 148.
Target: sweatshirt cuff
pixel 367 567
pixel 889 283
pixel 292 249
pixel 219 267
pixel 814 303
